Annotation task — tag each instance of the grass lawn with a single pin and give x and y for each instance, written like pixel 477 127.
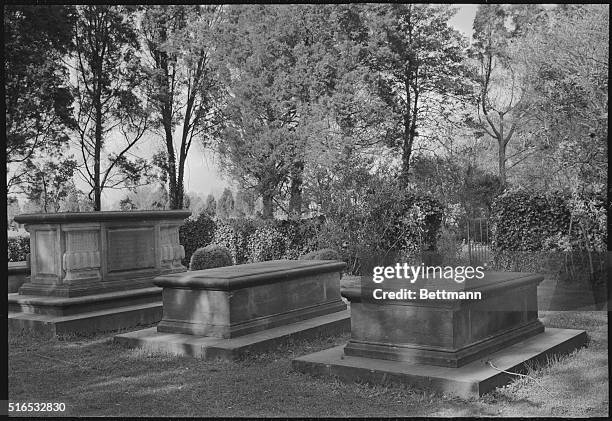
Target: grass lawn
pixel 95 377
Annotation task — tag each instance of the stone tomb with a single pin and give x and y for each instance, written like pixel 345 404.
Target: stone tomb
pixel 93 271
pixel 444 344
pixel 225 312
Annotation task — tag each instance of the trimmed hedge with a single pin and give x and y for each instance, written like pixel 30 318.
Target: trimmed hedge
pixel 235 234
pixel 196 233
pixel 555 234
pixel 18 248
pixel 522 220
pixel 566 266
pixel 254 240
pixel 211 256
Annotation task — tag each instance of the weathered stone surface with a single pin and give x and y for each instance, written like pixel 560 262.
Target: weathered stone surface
pixel 75 254
pixel 110 319
pixel 236 300
pixel 94 271
pixel 469 381
pixel 449 333
pixel 444 344
pixel 17 275
pixel 211 348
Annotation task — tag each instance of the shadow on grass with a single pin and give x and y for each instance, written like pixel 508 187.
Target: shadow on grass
pixel 97 377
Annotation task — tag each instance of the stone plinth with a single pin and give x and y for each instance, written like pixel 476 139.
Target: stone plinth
pixel 75 254
pixel 88 269
pixel 448 333
pixel 18 272
pixel 440 343
pixel 222 312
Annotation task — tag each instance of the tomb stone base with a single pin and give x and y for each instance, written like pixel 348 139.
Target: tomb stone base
pixel 225 312
pixel 211 348
pixel 468 381
pixel 85 315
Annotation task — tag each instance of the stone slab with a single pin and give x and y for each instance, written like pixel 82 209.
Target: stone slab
pixel 88 322
pixel 230 349
pixel 470 380
pixel 86 253
pixel 233 301
pixel 445 332
pixel 67 306
pixel 17 275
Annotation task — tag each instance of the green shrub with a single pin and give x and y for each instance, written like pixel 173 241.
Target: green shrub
pixel 323 254
pixel 449 247
pixel 196 233
pixel 211 256
pixel 266 243
pixel 300 236
pixel 522 219
pixel 234 234
pixel 18 248
pixel 575 266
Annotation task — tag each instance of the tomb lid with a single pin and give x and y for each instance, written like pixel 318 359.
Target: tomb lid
pixel 68 217
pixel 248 275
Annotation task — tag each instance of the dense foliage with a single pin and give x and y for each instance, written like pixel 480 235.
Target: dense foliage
pixel 526 220
pixel 195 233
pixel 323 254
pixel 18 248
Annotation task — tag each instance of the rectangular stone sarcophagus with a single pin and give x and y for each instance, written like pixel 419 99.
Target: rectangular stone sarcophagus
pixel 237 300
pixel 93 271
pixel 455 338
pixel 77 254
pixel 437 329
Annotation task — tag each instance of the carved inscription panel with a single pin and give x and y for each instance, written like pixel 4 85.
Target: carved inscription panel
pixel 82 241
pixel 46 252
pixel 131 249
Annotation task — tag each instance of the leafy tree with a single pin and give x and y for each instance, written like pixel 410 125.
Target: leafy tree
pixel 566 56
pixel 48 183
pixel 37 98
pixel 282 69
pixel 244 203
pixel 145 197
pixel 182 84
pixel 76 200
pixel 12 208
pixel 225 205
pixel 211 205
pixel 503 102
pixel 106 95
pixel 196 204
pixel 418 68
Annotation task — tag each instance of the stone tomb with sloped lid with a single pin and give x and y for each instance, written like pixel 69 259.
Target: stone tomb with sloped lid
pixel 226 312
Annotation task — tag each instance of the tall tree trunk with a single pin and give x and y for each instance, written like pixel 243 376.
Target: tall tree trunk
pixel 98 150
pixel 408 136
pixel 502 142
pixel 502 163
pixel 268 211
pixel 180 190
pixel 295 200
pixel 171 166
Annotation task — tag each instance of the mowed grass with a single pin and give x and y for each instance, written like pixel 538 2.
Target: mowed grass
pixel 96 377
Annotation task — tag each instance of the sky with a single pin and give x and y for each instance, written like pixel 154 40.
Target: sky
pixel 202 173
